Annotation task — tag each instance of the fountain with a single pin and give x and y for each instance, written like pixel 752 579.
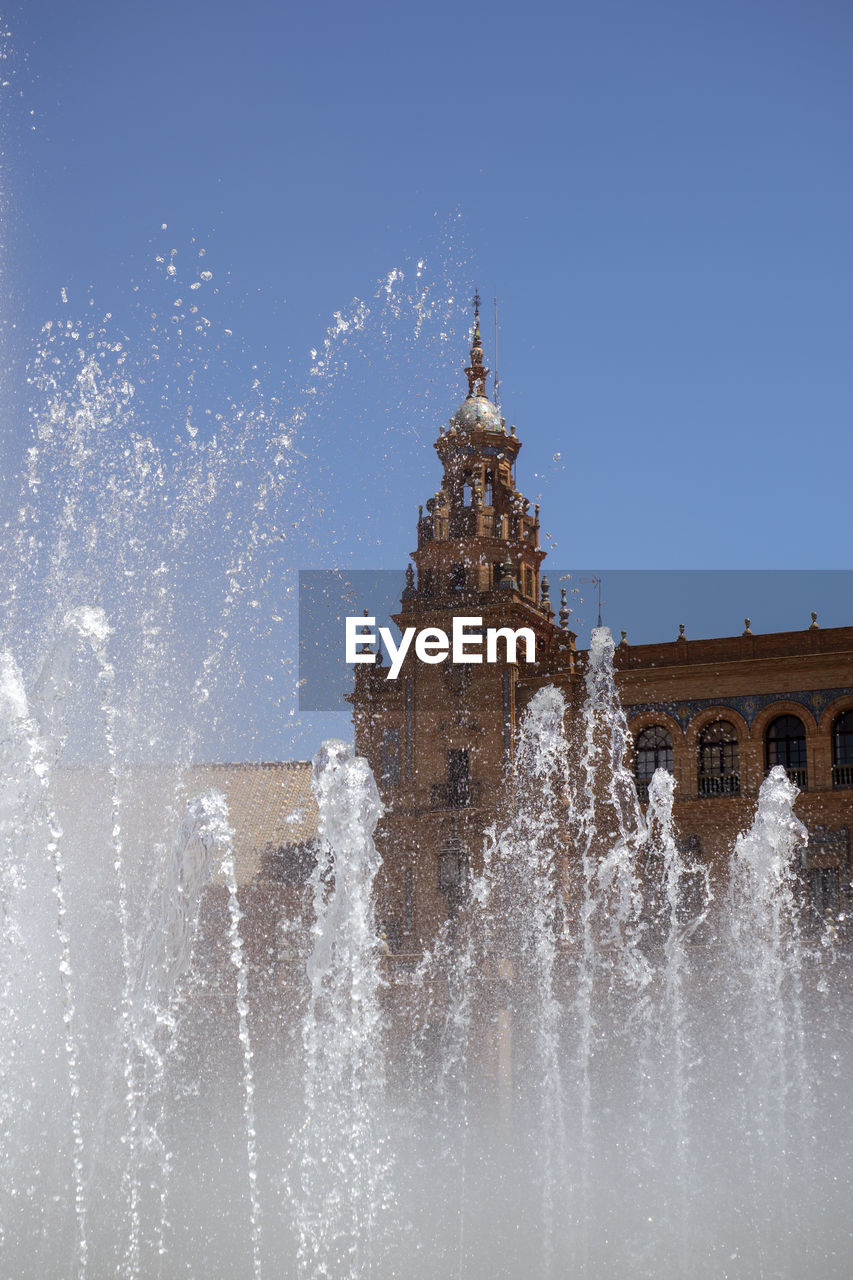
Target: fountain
pixel 604 1064
pixel 593 1072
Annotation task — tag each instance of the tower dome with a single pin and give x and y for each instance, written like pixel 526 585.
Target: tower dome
pixel 477 411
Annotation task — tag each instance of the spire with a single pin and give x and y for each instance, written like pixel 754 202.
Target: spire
pixel 476 372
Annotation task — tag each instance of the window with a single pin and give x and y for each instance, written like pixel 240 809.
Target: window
pixel 824 888
pixel 288 863
pixel 652 750
pixel 489 494
pixel 693 891
pixel 457 577
pixel 458 779
pixel 786 745
pixel 452 869
pixel 719 760
pixel 528 582
pixel 824 861
pixel 390 770
pixel 842 750
pixel 467 488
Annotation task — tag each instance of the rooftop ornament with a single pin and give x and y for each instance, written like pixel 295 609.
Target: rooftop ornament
pixel 476 371
pixel 477 410
pixel 508 581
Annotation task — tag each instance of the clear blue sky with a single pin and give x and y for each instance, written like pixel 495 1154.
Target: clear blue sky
pixel 661 193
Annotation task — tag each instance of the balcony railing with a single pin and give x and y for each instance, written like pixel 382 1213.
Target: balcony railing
pixel 842 776
pixel 454 795
pixel 720 784
pixel 799 777
pixel 729 784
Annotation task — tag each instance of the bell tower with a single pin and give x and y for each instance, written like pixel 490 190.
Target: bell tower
pixel 439 737
pixel 477 535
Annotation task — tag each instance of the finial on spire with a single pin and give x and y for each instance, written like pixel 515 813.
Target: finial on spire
pixel 476 371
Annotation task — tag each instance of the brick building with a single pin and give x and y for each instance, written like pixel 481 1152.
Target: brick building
pixel 717 713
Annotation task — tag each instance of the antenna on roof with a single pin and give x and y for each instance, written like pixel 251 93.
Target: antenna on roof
pixel 497 380
pixel 597 583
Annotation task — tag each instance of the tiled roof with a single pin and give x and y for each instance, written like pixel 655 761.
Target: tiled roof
pixel 271 809
pixel 271 806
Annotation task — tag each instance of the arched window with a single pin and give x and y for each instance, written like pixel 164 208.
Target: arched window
pixel 652 750
pixel 719 760
pixel 842 750
pixel 786 745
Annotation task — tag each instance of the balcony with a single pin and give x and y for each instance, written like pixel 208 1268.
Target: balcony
pixel 463 794
pixel 721 784
pixel 842 776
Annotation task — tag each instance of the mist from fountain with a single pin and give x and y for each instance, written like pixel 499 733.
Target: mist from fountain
pixel 138 572
pixel 603 1070
pixel 604 1064
pixel 344 1192
pixel 520 899
pixel 676 914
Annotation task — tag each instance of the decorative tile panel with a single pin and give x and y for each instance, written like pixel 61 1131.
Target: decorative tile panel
pixel 748 705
